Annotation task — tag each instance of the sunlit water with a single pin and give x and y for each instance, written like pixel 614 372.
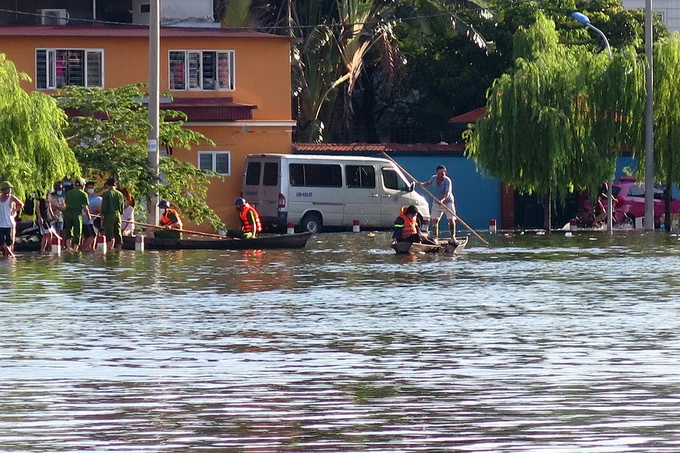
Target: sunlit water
pixel 533 344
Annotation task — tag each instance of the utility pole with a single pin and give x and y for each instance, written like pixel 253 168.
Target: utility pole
pixel 649 122
pixel 154 68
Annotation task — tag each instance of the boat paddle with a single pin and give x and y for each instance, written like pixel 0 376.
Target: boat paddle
pixel 198 233
pixel 437 200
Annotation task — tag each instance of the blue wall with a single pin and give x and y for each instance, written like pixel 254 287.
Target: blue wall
pixel 478 198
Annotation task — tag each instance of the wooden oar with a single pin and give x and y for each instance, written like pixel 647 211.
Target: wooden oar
pixel 198 233
pixel 437 200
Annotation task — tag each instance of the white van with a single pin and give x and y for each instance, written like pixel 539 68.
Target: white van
pixel 312 192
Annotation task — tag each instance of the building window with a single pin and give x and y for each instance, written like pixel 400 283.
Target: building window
pixel 201 70
pixel 217 161
pixel 56 68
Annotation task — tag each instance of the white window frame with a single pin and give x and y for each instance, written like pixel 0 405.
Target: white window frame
pixel 197 55
pixel 51 69
pixel 214 161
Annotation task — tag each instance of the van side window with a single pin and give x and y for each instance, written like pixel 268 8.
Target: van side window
pixel 315 175
pixel 362 176
pixel 271 174
pixel 393 181
pixel 253 174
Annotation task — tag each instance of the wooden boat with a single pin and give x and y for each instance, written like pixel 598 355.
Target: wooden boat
pixel 443 246
pixel 274 241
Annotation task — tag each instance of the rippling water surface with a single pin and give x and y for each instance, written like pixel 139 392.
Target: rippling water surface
pixel 533 344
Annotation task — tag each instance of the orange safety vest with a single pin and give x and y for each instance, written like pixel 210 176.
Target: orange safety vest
pixel 410 225
pixel 165 220
pixel 246 226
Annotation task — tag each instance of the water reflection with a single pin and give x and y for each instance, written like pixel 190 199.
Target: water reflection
pixel 533 344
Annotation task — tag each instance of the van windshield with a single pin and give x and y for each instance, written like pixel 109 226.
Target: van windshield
pixel 395 180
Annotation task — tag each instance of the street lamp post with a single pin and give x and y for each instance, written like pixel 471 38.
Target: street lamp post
pixel 582 18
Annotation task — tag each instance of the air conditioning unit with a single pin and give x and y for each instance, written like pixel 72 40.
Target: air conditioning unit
pixel 53 16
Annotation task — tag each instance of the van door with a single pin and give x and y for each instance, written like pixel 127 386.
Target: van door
pixel 362 197
pixel 397 192
pixel 315 193
pixel 261 188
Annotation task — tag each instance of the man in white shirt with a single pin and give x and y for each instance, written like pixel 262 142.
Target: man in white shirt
pixel 9 206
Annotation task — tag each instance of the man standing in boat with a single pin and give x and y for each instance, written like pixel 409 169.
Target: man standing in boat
pixel 250 221
pixel 170 222
pixel 443 201
pixel 406 227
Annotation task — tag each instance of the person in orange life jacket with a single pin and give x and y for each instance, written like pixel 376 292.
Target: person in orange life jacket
pixel 250 221
pixel 406 227
pixel 170 221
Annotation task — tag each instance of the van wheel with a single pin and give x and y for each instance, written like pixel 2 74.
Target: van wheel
pixel 311 222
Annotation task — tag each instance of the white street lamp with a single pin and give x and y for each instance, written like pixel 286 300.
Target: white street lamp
pixel 586 21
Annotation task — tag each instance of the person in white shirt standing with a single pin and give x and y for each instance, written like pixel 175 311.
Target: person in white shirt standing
pixel 9 206
pixel 443 201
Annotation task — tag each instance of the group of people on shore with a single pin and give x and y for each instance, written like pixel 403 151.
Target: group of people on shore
pixel 76 214
pixel 72 212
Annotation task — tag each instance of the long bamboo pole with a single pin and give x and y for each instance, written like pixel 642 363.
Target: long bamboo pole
pixel 437 200
pixel 198 233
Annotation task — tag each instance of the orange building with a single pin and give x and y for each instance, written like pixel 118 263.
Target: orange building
pixel 234 86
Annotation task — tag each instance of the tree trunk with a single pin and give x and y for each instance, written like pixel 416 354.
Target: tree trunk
pixel 547 211
pixel 667 206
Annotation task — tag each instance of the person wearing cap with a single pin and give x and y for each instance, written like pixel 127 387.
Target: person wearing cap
pixel 250 221
pixel 9 207
pixel 77 203
pixel 170 221
pixel 112 207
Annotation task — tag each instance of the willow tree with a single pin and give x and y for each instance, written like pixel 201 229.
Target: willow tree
pixel 555 122
pixel 108 131
pixel 666 116
pixel 33 151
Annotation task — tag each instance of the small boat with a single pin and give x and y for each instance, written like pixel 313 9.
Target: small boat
pixel 274 241
pixel 443 246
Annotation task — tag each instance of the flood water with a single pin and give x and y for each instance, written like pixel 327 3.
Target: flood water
pixel 533 344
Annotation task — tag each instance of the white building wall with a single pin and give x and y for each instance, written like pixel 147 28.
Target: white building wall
pixel 175 11
pixel 668 9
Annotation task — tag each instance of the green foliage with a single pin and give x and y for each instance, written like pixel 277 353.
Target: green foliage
pixel 33 151
pixel 555 122
pixel 666 112
pixel 108 132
